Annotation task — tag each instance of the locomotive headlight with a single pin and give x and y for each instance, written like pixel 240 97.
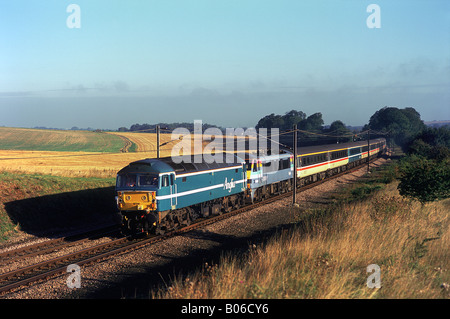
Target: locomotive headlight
pixel 128 197
pixel 144 198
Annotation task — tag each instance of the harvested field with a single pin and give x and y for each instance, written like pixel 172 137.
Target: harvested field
pixel 146 142
pixel 69 164
pixel 81 153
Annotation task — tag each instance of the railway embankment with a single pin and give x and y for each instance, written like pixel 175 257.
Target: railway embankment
pixel 319 250
pixel 36 205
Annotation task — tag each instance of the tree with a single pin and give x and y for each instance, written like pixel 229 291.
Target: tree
pixel 270 121
pixel 313 122
pixel 402 125
pixel 339 129
pixel 293 117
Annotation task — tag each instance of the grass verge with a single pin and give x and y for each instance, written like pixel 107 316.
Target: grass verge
pixel 41 204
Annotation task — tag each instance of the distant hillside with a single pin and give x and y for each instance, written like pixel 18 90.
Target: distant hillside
pixel 437 123
pixel 58 140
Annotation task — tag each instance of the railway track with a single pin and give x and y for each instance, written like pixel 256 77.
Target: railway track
pixel 52 245
pixel 58 266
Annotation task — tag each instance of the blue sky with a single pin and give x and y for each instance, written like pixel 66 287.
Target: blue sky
pixel 222 61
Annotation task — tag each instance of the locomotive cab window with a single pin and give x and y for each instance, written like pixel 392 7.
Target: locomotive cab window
pixel 127 180
pixel 148 180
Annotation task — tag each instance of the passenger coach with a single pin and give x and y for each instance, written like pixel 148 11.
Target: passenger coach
pixel 319 162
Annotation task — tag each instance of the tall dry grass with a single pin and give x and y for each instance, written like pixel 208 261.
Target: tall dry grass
pixel 325 255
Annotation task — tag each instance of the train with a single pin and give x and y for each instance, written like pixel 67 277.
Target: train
pixel 160 195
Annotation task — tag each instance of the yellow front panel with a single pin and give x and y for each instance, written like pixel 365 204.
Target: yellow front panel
pixel 137 201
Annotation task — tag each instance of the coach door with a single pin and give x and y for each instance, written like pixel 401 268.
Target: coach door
pixel 173 191
pixel 168 190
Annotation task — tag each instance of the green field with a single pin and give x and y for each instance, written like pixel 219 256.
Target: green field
pixel 55 140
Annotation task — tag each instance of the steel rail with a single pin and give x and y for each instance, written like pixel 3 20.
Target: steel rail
pixel 52 245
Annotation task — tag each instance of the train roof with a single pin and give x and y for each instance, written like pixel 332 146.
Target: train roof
pixel 188 163
pixel 334 147
pixel 268 157
pixel 169 164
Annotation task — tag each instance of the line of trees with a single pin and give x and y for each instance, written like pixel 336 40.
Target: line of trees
pixel 151 128
pixel 315 132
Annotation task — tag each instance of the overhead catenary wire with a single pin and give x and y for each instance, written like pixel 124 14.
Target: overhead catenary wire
pixel 363 133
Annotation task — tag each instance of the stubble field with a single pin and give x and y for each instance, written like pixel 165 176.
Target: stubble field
pixel 76 153
pixel 83 153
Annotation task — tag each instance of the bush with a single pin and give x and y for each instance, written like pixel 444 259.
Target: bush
pixel 424 179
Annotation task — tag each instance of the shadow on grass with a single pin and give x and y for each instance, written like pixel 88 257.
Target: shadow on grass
pixel 55 215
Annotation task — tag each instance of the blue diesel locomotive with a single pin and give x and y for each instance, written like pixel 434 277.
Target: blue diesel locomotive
pixel 161 194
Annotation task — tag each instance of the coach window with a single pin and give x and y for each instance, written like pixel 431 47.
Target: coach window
pixel 284 164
